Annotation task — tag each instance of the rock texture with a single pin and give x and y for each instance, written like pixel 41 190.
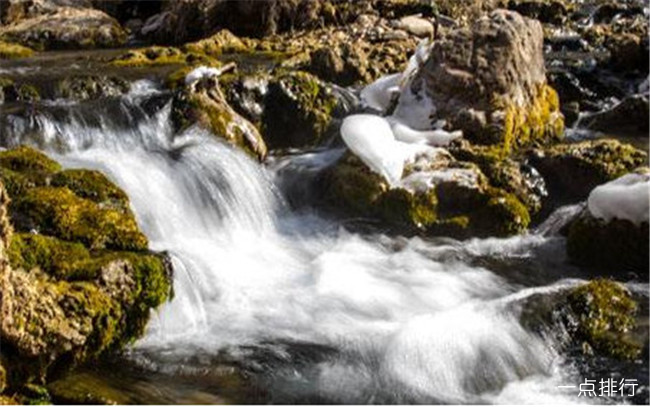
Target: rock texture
pixel 489 80
pixel 76 278
pixel 203 102
pixel 66 28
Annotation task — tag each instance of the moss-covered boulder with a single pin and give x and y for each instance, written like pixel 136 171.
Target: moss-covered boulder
pixel 489 80
pixel 155 55
pixel 202 102
pixel 298 110
pixel 76 277
pixel 90 87
pixel 66 28
pixel 599 315
pixel 572 170
pixel 447 197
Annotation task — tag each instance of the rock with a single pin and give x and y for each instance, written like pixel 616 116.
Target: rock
pixel 612 232
pixel 420 27
pixel 153 56
pixel 553 12
pixel 203 102
pixel 490 82
pixel 90 87
pixel 344 64
pixel 628 53
pixel 599 315
pixel 458 200
pixel 66 28
pixel 571 171
pixel 65 302
pixel 220 43
pixel 298 110
pixel 631 116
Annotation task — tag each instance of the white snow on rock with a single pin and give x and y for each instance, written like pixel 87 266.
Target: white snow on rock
pixel 200 73
pixel 378 94
pixel 371 138
pixel 627 197
pixel 386 144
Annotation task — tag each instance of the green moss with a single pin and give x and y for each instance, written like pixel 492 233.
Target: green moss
pixel 9 51
pixel 417 210
pixel 59 212
pixel 605 312
pixel 94 186
pixel 298 110
pixel 56 257
pixel 513 127
pixel 84 388
pixel 155 56
pixel 27 159
pixel 505 214
pixel 222 42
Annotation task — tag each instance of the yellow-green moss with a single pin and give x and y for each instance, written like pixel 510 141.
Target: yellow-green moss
pixel 92 185
pixel 539 123
pixel 605 312
pixel 56 257
pixel 59 212
pixel 222 42
pixel 298 110
pixel 23 158
pixel 155 55
pixel 10 50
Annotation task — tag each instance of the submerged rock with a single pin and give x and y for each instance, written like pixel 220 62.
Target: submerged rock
pixel 489 81
pixel 66 28
pixel 203 102
pixel 76 276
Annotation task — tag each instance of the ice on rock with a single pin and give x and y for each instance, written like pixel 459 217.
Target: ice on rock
pixel 627 197
pixel 406 134
pixel 200 73
pixel 371 138
pixel 378 94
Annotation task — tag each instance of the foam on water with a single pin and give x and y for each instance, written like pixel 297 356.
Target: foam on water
pixel 404 326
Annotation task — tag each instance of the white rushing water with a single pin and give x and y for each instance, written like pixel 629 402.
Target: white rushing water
pixel 247 271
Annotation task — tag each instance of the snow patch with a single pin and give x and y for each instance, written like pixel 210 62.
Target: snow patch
pixel 627 198
pixel 200 73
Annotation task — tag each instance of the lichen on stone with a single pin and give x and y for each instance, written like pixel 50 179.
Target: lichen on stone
pixel 604 313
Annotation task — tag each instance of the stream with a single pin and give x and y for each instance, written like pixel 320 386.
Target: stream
pixel 280 305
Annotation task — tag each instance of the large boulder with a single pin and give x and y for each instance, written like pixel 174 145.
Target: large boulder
pixel 201 101
pixel 76 277
pixel 490 81
pixel 66 28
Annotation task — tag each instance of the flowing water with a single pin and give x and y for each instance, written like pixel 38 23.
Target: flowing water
pixel 305 307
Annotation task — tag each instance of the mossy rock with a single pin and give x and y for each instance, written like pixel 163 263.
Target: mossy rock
pixel 298 110
pixel 79 281
pixel 59 212
pixel 513 127
pixel 604 313
pixel 10 51
pixel 618 246
pixel 203 103
pixel 504 172
pixel 450 208
pixel 94 186
pixel 222 42
pixel 155 56
pixel 572 171
pixel 84 388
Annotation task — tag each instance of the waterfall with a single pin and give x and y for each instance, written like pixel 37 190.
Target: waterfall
pixel 391 319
